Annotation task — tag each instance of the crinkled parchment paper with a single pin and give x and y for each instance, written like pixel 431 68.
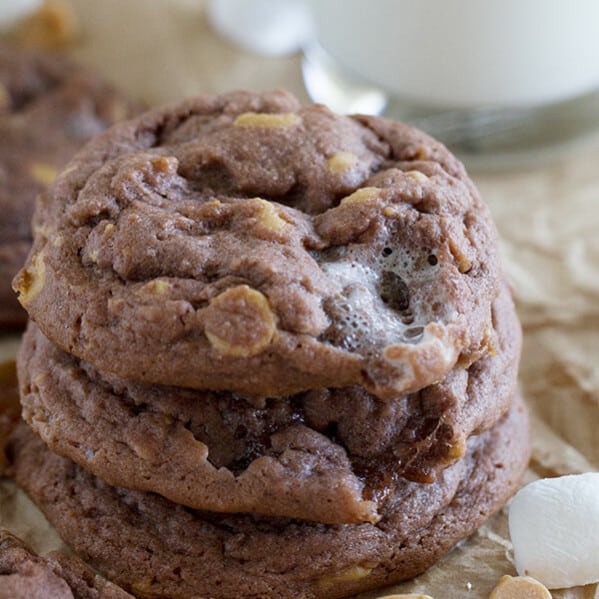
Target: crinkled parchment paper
pixel 548 216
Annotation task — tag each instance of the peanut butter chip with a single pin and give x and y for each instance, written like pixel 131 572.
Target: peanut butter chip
pixel 417 176
pixel 421 153
pixel 341 161
pixel 457 450
pixel 347 575
pixel 258 119
pixel 30 280
pixel 239 322
pixel 157 286
pixel 362 195
pixel 269 217
pixel 519 587
pixel 464 265
pixel 165 164
pixel 43 173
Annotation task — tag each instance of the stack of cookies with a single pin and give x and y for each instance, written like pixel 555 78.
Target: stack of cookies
pixel 49 107
pixel 272 353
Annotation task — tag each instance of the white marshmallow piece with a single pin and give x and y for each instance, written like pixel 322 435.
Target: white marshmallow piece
pixel 12 11
pixel 554 526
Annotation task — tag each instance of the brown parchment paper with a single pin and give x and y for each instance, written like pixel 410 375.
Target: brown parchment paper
pixel 548 215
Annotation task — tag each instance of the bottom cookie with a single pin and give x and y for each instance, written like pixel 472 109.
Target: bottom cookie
pixel 156 548
pixel 24 575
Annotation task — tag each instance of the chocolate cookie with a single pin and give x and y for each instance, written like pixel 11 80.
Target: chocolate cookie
pixel 24 575
pixel 49 108
pixel 156 548
pixel 244 243
pixel 308 456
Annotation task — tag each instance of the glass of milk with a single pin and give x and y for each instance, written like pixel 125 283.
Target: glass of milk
pixel 485 76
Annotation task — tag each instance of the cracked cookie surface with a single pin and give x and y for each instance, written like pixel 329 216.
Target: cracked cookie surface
pixel 245 243
pixel 330 455
pixel 153 547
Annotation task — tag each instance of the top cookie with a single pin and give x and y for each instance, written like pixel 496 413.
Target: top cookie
pixel 245 243
pixel 49 107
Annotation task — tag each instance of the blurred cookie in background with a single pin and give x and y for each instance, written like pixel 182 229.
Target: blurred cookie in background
pixel 49 107
pixel 48 24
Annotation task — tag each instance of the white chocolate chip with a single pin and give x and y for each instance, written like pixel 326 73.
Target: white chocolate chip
pixel 554 526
